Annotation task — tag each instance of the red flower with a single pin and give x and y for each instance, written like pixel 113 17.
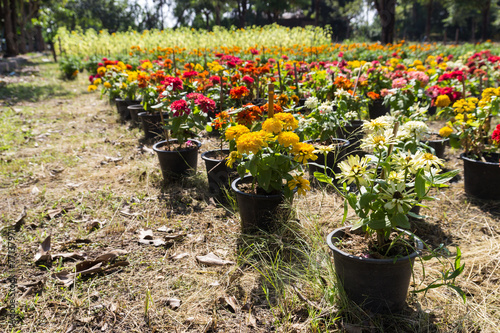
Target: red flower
pixel 247 79
pixel 239 92
pixel 189 74
pixel 214 79
pixel 495 136
pixel 129 67
pixel 206 104
pixel 254 51
pixel 248 115
pixel 193 96
pixel 175 82
pixel 180 107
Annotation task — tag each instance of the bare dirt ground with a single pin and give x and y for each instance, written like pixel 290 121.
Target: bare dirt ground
pixel 92 183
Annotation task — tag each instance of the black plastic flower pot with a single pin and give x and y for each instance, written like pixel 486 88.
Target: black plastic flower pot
pixel 122 107
pixel 176 163
pixel 482 178
pixel 354 133
pixel 134 111
pixel 377 285
pixel 218 174
pixel 377 109
pixel 259 211
pixel 151 124
pixel 439 146
pixel 332 158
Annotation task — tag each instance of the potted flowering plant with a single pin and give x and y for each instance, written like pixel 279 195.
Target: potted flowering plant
pixel 469 130
pixel 373 84
pixel 187 116
pixel 388 183
pixel 274 157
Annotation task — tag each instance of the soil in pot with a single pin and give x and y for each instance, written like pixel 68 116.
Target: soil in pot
pixel 258 209
pixel 178 161
pixel 377 285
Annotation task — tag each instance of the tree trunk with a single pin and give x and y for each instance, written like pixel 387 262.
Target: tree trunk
pixel 39 42
pixel 242 12
pixel 456 35
pixel 217 13
pixel 428 21
pixel 485 13
pixel 473 32
pixel 9 29
pixel 316 13
pixel 386 10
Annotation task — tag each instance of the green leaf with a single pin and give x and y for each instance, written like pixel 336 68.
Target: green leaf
pixel 346 209
pixel 366 198
pixel 320 176
pixel 264 179
pixel 400 220
pixel 208 128
pixel 420 185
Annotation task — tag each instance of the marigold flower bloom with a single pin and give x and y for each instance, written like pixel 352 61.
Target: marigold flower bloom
pixel 288 120
pixel 91 87
pixel 107 85
pixel 233 157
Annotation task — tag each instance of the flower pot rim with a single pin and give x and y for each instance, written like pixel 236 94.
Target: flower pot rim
pixel 418 241
pixel 135 106
pixel 246 177
pixel 438 140
pixel 148 113
pixel 206 158
pixel 464 157
pixel 164 142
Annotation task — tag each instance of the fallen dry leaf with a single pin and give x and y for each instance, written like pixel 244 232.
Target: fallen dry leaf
pixel 20 219
pixel 73 185
pixel 146 237
pixel 34 287
pixel 174 237
pixel 212 260
pixel 233 303
pixel 251 321
pixel 165 229
pixel 126 212
pixel 93 225
pixel 104 327
pixel 35 190
pixel 72 255
pixel 52 213
pixel 86 320
pixel 43 254
pixel 179 256
pixel 65 277
pixel 173 303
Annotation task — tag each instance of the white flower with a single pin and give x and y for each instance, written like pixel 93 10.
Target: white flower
pixel 414 129
pixel 311 103
pixel 377 126
pixel 341 92
pixel 350 115
pixel 378 141
pixel 427 160
pixel 396 198
pixel 326 107
pixel 354 169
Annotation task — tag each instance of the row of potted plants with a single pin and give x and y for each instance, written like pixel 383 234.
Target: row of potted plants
pixel 386 169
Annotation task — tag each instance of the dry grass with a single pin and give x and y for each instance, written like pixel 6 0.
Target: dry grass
pixel 60 144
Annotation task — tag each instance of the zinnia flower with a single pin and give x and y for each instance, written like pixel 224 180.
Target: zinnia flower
pixel 288 139
pixel 354 169
pixel 206 104
pixel 180 107
pixel 288 120
pixel 272 125
pixel 234 132
pixel 445 132
pixel 495 136
pixel 239 92
pixel 302 185
pixel 247 79
pixel 252 142
pixel 303 152
pixel 443 101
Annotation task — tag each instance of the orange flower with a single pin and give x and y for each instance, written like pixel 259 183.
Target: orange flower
pixel 373 95
pixel 239 92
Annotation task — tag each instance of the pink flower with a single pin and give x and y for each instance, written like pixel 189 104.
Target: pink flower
pixel 247 79
pixel 399 83
pixel 254 51
pixel 215 79
pixel 341 54
pixel 193 96
pixel 284 57
pixel 180 108
pixel 174 82
pixel 189 74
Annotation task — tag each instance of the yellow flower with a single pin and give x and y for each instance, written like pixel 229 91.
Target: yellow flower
pixel 300 183
pixel 123 85
pixel 252 142
pixel 147 65
pixel 132 76
pixel 288 120
pixel 198 68
pixel 233 156
pixel 97 81
pixel 107 85
pixel 91 87
pixel 443 101
pixel 234 132
pixel 101 70
pixel 288 139
pixel 272 125
pixel 445 132
pixel 303 152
